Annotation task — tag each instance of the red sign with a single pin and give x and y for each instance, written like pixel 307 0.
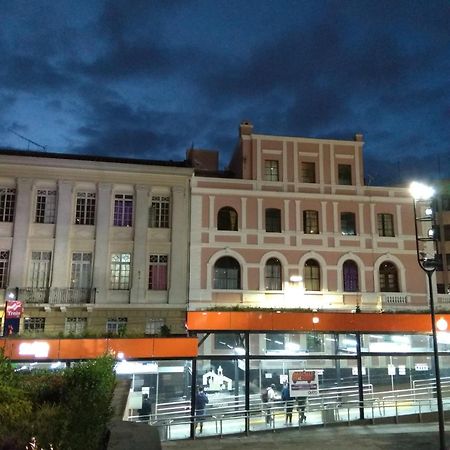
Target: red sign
pixel 14 309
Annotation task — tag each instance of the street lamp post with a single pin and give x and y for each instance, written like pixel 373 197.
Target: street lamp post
pixel 426 246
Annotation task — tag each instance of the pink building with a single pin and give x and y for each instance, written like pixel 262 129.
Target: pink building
pixel 296 227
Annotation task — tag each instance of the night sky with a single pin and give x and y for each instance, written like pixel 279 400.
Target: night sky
pixel 149 79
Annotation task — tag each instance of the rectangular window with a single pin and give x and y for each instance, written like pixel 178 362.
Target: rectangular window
pixel 85 208
pixel 271 172
pixel 81 270
pixel 348 224
pixel 344 174
pixel 308 172
pixel 273 220
pixel 45 206
pixel 120 271
pixel 275 341
pixel 75 325
pixel 385 225
pixel 34 324
pixel 7 204
pixel 116 325
pixel 157 273
pixel 153 326
pixel 123 210
pixel 311 222
pixel 447 232
pixel 159 212
pixel 4 266
pixel 39 275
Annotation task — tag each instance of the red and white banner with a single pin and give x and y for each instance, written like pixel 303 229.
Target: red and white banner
pixel 14 309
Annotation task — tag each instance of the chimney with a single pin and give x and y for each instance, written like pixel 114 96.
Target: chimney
pixel 359 137
pixel 245 128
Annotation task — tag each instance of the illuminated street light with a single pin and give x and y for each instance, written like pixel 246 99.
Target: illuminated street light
pixel 426 246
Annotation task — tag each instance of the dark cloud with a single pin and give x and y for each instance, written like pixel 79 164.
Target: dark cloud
pixel 153 78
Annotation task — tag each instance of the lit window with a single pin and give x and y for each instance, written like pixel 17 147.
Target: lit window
pixel 271 170
pixel 81 270
pixel 159 212
pixel 311 222
pixel 45 206
pixel 272 275
pixel 75 325
pixel 348 224
pixel 157 272
pixel 311 275
pixel 350 274
pixel 85 208
pixel 388 278
pixel 120 270
pixel 123 210
pixel 7 204
pixel 39 274
pixel 116 326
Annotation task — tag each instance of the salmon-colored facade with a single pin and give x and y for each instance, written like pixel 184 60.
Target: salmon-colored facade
pixel 298 228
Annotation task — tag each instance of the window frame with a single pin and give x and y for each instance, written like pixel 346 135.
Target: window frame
pixel 225 219
pixel 158 266
pixel 350 280
pixel 81 270
pixel 308 172
pixel 40 269
pixel 345 175
pixel 123 210
pixel 34 325
pixel 230 278
pixel 85 208
pixel 311 221
pixel 7 204
pixel 272 218
pixel 159 213
pixel 116 325
pixel 311 275
pixel 45 209
pixel 4 268
pixel 388 277
pixel 348 223
pixel 271 170
pixel 75 325
pixel 385 225
pixel 273 275
pixel 120 271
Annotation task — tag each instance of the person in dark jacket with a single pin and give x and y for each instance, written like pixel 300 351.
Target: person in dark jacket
pixel 289 402
pixel 201 400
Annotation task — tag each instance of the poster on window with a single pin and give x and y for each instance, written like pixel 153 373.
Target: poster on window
pixel 303 383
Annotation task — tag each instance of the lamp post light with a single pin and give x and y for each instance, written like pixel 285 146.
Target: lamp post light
pixel 426 246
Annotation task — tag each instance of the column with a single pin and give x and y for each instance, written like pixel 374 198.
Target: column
pixel 62 234
pixel 102 230
pixel 138 290
pixel 179 246
pixel 21 230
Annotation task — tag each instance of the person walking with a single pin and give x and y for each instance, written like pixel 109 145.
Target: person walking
pixel 201 400
pixel 289 403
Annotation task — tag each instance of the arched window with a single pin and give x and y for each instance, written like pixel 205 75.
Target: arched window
pixel 273 220
pixel 388 278
pixel 311 275
pixel 227 219
pixel 227 273
pixel 272 275
pixel 350 274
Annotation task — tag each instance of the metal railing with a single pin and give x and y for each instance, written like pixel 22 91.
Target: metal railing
pixel 57 296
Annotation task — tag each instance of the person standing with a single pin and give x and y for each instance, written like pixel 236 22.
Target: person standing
pixel 269 404
pixel 289 402
pixel 201 400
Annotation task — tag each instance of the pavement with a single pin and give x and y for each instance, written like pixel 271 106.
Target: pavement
pixel 414 436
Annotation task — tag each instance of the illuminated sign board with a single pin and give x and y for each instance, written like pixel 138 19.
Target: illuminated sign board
pixel 13 309
pixel 36 349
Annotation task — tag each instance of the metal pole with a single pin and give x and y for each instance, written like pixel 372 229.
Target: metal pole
pixel 437 371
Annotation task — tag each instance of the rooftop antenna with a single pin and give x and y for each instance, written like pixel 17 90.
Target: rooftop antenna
pixel 44 147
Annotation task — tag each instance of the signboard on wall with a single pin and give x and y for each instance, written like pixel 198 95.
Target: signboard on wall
pixel 13 309
pixel 303 382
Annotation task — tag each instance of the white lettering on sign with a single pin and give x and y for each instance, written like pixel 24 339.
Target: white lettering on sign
pixel 36 349
pixel 421 367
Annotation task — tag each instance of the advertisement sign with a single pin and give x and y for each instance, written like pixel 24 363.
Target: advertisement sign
pixel 13 309
pixel 303 382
